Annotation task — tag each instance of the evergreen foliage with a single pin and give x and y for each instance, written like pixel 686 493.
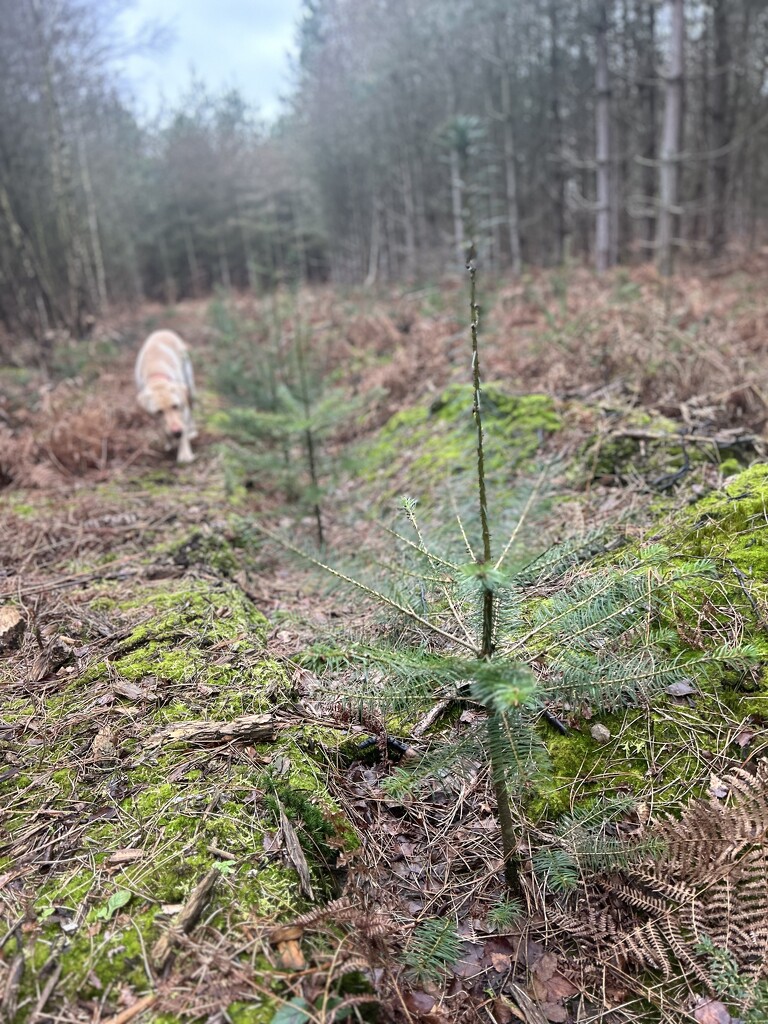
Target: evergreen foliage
pixel 282 414
pixel 434 945
pixel 733 986
pixel 556 634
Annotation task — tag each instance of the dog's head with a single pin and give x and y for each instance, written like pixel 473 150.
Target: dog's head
pixel 167 399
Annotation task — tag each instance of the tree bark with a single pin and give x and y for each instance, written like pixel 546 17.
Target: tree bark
pixel 648 101
pixel 669 171
pixel 720 132
pixel 558 173
pixel 603 154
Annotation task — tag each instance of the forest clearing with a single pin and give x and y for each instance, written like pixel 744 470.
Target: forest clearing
pixel 191 705
pixel 383 511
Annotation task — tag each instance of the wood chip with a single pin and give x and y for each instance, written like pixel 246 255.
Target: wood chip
pixel 134 1010
pixel 12 627
pixel 128 855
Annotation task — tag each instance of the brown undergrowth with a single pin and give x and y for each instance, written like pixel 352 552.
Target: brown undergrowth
pixel 94 509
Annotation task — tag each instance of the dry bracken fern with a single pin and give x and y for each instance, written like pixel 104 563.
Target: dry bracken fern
pixel 709 882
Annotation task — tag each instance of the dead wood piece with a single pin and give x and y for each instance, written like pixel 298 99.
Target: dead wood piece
pixel 45 995
pixel 726 438
pixel 247 728
pixel 296 854
pixel 128 855
pixel 133 1011
pixel 125 688
pixel 529 1009
pixel 57 653
pixel 188 916
pixel 11 994
pixel 12 627
pixel 434 714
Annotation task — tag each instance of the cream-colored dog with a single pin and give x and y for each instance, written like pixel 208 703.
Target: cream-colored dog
pixel 166 387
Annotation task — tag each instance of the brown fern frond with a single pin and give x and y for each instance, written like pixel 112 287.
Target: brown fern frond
pixel 709 881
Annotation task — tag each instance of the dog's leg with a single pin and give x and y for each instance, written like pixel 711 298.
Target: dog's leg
pixel 185 449
pixel 190 424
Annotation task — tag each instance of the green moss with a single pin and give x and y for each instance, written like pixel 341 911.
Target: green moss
pixel 421 447
pixel 670 746
pixel 635 444
pixel 731 526
pixel 261 1012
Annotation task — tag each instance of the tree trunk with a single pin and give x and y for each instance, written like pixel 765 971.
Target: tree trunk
pixel 508 138
pixel 603 155
pixel 373 253
pixel 409 209
pixel 669 172
pixel 72 251
pixel 192 264
pixel 648 99
pixel 558 174
pixel 720 132
pixel 93 221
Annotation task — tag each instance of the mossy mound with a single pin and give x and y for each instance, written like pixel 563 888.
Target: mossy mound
pixel 732 527
pixel 111 823
pixel 634 444
pixel 667 747
pixel 419 448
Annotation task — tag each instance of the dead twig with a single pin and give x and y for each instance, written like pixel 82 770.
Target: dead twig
pixel 187 918
pixel 133 1011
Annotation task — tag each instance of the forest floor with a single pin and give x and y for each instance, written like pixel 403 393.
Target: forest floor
pixel 179 714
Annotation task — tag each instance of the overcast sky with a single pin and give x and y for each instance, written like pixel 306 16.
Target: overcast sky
pixel 241 43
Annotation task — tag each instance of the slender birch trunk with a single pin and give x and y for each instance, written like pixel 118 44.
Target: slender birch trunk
pixel 603 155
pixel 669 171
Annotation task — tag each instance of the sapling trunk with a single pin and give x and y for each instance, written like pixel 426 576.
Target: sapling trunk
pixel 309 439
pixel 495 739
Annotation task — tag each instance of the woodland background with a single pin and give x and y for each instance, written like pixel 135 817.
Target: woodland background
pixel 603 131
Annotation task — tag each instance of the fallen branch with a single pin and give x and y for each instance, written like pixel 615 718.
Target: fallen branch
pixel 722 439
pixel 246 729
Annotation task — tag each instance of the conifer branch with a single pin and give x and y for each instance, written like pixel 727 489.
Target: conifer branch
pixel 377 595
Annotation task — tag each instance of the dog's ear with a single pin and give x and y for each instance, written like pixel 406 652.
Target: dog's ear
pixel 148 401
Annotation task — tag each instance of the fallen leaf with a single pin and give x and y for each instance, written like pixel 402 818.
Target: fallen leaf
pixel 291 956
pixel 743 739
pixel 712 1011
pixel 682 688
pixel 419 1003
pixel 717 787
pixel 501 962
pixel 546 967
pixel 554 1012
pixel 559 987
pixel 469 963
pixel 504 1011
